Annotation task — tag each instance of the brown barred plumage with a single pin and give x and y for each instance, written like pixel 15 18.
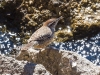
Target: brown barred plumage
pixel 43 36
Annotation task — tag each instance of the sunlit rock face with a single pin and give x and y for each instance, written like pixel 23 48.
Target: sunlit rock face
pixel 88 48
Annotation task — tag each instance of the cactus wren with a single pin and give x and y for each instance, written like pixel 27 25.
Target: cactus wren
pixel 43 36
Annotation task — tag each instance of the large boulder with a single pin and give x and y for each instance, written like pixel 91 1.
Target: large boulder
pixel 60 62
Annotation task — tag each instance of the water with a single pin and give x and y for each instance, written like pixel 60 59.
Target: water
pixel 8 40
pixel 88 48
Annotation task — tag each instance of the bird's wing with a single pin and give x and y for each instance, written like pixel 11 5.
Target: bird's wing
pixel 40 35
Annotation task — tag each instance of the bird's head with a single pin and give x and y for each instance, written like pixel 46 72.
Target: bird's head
pixel 51 23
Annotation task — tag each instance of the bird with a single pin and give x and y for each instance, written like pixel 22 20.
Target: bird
pixel 43 36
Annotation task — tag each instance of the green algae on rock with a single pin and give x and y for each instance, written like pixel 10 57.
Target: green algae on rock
pixel 63 35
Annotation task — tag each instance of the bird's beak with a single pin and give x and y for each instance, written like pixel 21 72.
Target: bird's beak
pixel 59 18
pixel 54 23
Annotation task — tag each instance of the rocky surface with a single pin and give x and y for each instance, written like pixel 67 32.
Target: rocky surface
pixel 86 17
pixel 11 66
pixel 54 62
pixel 81 17
pixel 60 62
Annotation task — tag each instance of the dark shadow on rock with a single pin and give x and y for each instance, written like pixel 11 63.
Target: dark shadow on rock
pixel 11 16
pixel 29 69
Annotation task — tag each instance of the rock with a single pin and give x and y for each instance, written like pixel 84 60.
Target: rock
pixel 40 70
pixel 30 14
pixel 60 62
pixel 11 66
